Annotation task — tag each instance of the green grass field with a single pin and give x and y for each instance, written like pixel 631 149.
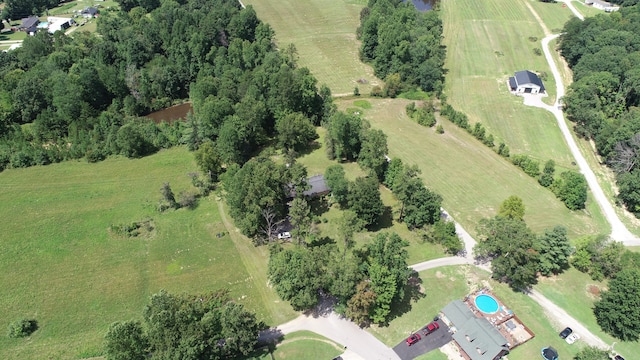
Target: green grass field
pixel 61 266
pixel 323 32
pixel 576 292
pixel 472 179
pixel 302 345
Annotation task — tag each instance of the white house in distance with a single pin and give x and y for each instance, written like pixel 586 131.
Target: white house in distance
pixel 57 23
pixel 602 5
pixel 526 82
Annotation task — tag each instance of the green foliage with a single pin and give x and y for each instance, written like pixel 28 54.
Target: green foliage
pixel 300 214
pixel 393 170
pixel 598 256
pixel 617 310
pixel 134 229
pixel 360 305
pixel 343 139
pixel 503 150
pixel 364 199
pixel 208 160
pixel 258 185
pixel 546 178
pixel 571 188
pixel 168 199
pixel 410 109
pixel 512 208
pixel 444 233
pixel 298 273
pixel 348 225
pixel 592 353
pixel 385 261
pixel 126 341
pixel 455 116
pixel 510 245
pixel 339 185
pixel 22 328
pixel 295 132
pixel 373 152
pixel 439 129
pixel 529 166
pixel 420 206
pixel 403 45
pixel 555 249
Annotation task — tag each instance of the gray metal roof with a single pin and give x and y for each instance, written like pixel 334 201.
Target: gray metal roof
pixel 318 186
pixel 476 336
pixel 30 22
pixel 525 77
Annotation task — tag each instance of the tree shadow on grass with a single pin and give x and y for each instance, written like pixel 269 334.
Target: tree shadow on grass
pixel 385 220
pixel 319 205
pixel 412 293
pixel 313 146
pixel 321 241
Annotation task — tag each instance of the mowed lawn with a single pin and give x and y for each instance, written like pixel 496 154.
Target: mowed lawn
pixel 576 293
pixel 472 179
pixel 61 266
pixel 487 41
pixel 324 33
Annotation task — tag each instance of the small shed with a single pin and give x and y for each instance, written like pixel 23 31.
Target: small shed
pixel 526 82
pixel 89 12
pixel 317 187
pixel 602 5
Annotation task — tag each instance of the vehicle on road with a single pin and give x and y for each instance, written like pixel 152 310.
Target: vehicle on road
pixel 549 353
pixel 284 235
pixel 414 338
pixel 572 338
pixel 618 357
pixel 566 332
pixel 433 326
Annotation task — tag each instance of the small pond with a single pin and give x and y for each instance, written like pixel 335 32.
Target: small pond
pixel 423 5
pixel 171 114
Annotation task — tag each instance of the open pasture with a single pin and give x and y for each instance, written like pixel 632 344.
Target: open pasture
pixel 472 179
pixel 61 265
pixel 487 41
pixel 324 33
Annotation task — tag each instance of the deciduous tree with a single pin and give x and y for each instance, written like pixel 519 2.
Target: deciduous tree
pixel 126 340
pixel 512 208
pixel 364 199
pixel 555 249
pixel 618 310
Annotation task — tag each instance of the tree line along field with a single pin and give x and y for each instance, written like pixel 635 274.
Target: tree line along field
pixel 323 32
pixel 61 266
pixel 456 165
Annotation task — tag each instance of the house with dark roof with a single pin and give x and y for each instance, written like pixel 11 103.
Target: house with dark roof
pixel 476 337
pixel 526 82
pixel 30 24
pixel 89 12
pixel 317 187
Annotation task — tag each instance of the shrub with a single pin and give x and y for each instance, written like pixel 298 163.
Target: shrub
pixel 22 328
pixel 187 199
pixel 439 129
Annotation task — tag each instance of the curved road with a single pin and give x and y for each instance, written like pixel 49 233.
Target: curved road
pixel 619 231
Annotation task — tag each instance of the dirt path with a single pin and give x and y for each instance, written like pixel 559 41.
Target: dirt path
pixel 619 231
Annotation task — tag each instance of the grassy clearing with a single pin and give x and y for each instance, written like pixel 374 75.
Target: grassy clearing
pixel 471 178
pixel 61 266
pixel 13 35
pixel 487 41
pixel 554 14
pixel 576 292
pixel 323 31
pixel 303 345
pixel 316 162
pixel 433 355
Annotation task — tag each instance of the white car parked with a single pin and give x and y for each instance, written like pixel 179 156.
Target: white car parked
pixel 284 235
pixel 572 338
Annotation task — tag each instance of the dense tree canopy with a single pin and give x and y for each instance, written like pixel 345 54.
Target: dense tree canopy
pixel 618 310
pixel 602 101
pixel 206 326
pixel 400 41
pixel 80 90
pixel 364 199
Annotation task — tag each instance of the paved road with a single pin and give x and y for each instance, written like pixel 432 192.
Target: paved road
pixel 359 342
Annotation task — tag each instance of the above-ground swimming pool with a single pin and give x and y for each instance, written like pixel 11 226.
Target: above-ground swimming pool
pixel 486 303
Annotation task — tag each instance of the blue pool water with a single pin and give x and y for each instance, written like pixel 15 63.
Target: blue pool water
pixel 487 304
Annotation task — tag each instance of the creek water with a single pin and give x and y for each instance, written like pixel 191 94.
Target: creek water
pixel 171 114
pixel 423 5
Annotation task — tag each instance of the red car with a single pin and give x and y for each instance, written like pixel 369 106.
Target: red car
pixel 413 339
pixel 433 326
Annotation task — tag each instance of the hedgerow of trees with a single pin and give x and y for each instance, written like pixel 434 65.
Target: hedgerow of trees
pixel 602 102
